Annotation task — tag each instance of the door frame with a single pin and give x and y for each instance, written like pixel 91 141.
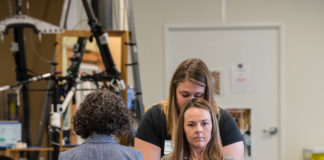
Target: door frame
pixel 277 26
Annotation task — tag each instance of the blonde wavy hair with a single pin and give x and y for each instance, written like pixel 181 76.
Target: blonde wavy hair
pixel 213 150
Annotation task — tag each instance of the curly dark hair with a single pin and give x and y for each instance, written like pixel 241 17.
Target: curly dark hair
pixel 102 112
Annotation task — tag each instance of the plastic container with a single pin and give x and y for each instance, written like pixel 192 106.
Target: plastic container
pixel 130 97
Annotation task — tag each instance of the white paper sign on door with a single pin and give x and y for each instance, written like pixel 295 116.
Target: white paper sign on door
pixel 241 78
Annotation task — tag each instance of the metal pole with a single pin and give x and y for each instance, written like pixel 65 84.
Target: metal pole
pixel 21 74
pixel 48 95
pixel 50 84
pixel 134 58
pixel 46 106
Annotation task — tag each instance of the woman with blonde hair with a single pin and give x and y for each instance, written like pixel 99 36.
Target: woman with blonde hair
pixel 197 134
pixel 190 80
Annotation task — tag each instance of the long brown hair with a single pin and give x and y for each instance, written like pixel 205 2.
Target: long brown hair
pixel 195 71
pixel 213 150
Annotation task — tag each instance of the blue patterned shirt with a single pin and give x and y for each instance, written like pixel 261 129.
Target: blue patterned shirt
pixel 101 147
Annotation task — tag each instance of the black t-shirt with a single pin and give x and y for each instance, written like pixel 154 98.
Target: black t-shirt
pixel 152 128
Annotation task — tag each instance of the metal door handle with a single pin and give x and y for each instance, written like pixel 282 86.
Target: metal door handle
pixel 271 131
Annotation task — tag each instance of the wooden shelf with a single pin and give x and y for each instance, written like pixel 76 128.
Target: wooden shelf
pixel 14 153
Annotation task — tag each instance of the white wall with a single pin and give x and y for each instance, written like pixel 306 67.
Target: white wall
pixel 303 49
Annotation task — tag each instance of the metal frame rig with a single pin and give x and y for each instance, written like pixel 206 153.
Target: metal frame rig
pixel 18 23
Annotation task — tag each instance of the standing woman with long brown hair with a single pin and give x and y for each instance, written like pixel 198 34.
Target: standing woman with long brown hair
pixel 190 80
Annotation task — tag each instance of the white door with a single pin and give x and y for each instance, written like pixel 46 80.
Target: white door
pixel 223 48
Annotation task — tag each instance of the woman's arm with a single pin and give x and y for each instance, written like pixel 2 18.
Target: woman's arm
pixel 235 150
pixel 149 150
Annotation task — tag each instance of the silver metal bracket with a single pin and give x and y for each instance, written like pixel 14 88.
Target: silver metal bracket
pixel 23 20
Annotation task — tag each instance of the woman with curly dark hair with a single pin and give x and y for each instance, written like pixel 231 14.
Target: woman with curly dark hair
pixel 100 117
